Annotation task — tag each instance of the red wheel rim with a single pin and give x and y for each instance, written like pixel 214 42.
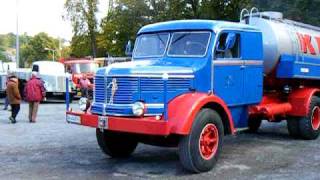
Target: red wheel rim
pixel 209 141
pixel 315 118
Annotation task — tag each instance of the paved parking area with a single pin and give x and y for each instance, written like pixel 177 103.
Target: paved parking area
pixel 53 149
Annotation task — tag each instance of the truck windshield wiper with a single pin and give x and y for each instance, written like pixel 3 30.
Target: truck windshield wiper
pixel 162 41
pixel 179 38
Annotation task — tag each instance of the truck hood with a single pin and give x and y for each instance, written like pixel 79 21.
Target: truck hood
pixel 147 67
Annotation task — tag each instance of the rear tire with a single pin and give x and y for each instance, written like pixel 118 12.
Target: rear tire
pixel 309 126
pixel 116 144
pixel 199 151
pixel 293 127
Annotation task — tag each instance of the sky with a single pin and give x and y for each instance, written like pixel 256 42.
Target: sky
pixel 39 16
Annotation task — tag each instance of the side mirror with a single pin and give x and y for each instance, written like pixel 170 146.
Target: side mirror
pixel 231 40
pixel 228 43
pixel 128 51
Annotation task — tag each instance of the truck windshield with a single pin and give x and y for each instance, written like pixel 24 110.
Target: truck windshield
pixel 151 45
pixel 84 68
pixel 183 44
pixel 189 44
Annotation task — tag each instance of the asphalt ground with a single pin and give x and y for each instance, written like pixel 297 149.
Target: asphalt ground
pixel 53 149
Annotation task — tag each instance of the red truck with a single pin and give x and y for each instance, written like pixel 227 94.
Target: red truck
pixel 78 68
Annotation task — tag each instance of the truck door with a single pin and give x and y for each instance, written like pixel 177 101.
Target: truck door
pixel 228 73
pixel 252 54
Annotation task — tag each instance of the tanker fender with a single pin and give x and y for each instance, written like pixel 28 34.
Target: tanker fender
pixel 300 101
pixel 183 109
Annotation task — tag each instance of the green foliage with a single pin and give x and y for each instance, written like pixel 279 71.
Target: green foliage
pixel 121 25
pixel 34 50
pixel 7 43
pixel 82 16
pixel 31 48
pixel 126 17
pixel 300 10
pixel 2 56
pixel 80 46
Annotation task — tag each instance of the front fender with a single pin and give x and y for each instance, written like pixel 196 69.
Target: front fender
pixel 183 109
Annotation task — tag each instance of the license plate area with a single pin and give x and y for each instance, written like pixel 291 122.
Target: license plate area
pixel 73 119
pixel 103 122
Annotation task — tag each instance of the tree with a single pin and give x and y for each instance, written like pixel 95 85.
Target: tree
pixel 121 25
pixel 298 10
pixel 80 46
pixel 81 13
pixel 34 50
pixel 127 17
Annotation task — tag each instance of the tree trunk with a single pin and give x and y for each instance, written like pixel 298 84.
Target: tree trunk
pixel 93 44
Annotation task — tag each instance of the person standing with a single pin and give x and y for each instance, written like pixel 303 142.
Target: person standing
pixel 34 92
pixel 84 86
pixel 6 100
pixel 14 97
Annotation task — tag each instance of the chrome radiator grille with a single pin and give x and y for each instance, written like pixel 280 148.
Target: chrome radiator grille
pixel 99 91
pixel 131 89
pixel 127 88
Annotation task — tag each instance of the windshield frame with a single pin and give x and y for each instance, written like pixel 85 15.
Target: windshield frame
pixel 77 67
pixel 190 32
pixel 152 34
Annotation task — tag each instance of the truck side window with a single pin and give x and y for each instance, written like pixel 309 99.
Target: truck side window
pixel 228 46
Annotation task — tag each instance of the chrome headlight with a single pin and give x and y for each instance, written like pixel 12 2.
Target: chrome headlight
pixel 83 104
pixel 138 108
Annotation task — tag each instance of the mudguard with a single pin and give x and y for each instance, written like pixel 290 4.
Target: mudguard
pixel 183 109
pixel 300 101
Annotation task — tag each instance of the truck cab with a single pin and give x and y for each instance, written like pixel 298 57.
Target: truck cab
pixel 190 82
pixel 183 57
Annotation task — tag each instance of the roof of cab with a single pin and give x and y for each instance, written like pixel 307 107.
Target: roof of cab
pixel 180 25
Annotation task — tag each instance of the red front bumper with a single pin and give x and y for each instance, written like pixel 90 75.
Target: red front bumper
pixel 145 125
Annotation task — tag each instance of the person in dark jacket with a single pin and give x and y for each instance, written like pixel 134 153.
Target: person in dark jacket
pixel 34 92
pixel 14 97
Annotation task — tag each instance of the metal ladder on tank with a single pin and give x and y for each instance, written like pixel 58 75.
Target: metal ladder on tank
pixel 291 27
pixel 245 13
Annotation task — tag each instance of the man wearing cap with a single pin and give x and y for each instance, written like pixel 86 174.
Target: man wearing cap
pixel 34 92
pixel 14 97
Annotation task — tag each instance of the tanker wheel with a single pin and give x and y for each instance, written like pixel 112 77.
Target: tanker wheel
pixel 116 144
pixel 309 126
pixel 199 151
pixel 293 127
pixel 254 124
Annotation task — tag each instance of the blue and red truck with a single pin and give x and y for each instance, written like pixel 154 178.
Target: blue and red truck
pixel 192 82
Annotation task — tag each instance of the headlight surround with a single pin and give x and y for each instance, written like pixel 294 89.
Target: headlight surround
pixel 83 104
pixel 138 108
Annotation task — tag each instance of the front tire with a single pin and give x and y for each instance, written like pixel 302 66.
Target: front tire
pixel 199 151
pixel 116 144
pixel 254 124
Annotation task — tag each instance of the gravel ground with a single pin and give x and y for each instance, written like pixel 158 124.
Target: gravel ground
pixel 53 149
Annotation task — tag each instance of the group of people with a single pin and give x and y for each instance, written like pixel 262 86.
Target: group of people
pixel 34 92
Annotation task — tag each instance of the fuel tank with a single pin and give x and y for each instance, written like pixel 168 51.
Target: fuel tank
pixel 284 37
